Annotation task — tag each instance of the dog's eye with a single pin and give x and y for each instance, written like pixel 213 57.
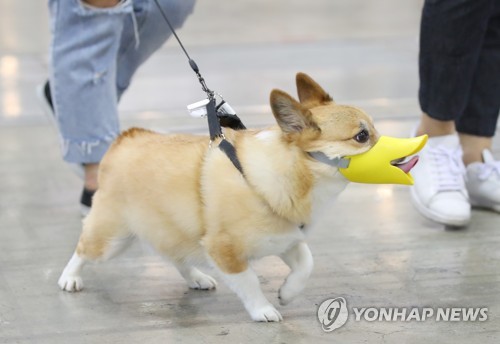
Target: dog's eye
pixel 362 136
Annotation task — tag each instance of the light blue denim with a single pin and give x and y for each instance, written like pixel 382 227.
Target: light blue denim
pixel 94 54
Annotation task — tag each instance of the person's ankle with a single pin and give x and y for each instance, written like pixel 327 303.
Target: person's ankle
pixel 90 181
pixel 434 127
pixel 473 147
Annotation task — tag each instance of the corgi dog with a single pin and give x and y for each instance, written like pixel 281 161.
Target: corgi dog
pixel 187 199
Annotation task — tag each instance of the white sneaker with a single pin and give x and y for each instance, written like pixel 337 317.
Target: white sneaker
pixel 439 192
pixel 483 182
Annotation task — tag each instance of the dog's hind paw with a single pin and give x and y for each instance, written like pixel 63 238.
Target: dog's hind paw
pixel 266 314
pixel 70 283
pixel 201 281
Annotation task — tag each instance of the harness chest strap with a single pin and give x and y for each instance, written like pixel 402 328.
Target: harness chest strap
pixel 230 152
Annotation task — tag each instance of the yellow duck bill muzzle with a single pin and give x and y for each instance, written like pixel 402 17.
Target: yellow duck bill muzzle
pixel 387 162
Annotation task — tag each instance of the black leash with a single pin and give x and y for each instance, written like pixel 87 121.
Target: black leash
pixel 216 117
pixel 193 64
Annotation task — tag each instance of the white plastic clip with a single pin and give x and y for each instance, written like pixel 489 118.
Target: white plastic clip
pixel 198 109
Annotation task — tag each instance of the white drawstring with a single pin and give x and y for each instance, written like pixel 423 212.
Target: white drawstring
pixel 136 30
pixel 451 169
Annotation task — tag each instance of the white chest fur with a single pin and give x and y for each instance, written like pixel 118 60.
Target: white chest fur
pixel 325 193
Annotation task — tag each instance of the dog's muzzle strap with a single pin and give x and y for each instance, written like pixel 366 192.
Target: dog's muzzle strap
pixel 335 162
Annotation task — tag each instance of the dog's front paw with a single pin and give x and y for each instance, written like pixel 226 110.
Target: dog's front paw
pixel 202 281
pixel 70 283
pixel 266 314
pixel 288 292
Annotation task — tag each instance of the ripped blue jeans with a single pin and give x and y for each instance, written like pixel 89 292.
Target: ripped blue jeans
pixel 94 54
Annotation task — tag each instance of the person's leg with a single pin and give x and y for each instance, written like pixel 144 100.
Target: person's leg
pixel 90 176
pixel 450 43
pixel 473 147
pixel 142 34
pixel 451 37
pixel 85 42
pixel 478 123
pixel 435 127
pixel 149 32
pixel 91 69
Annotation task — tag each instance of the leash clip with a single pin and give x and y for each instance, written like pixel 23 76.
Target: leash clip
pixel 222 136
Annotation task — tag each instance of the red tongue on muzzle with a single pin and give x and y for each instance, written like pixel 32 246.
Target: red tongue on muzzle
pixel 407 165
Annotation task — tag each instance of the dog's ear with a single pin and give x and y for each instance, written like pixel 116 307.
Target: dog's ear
pixel 309 91
pixel 291 116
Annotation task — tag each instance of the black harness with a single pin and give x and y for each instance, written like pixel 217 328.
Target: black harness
pixel 215 121
pixel 216 118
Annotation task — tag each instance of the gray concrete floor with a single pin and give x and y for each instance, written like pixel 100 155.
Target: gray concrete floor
pixel 373 248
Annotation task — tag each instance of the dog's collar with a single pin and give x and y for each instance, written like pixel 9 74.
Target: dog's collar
pixel 337 162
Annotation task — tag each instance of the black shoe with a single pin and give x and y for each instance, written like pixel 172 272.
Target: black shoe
pixel 86 201
pixel 48 95
pixel 45 97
